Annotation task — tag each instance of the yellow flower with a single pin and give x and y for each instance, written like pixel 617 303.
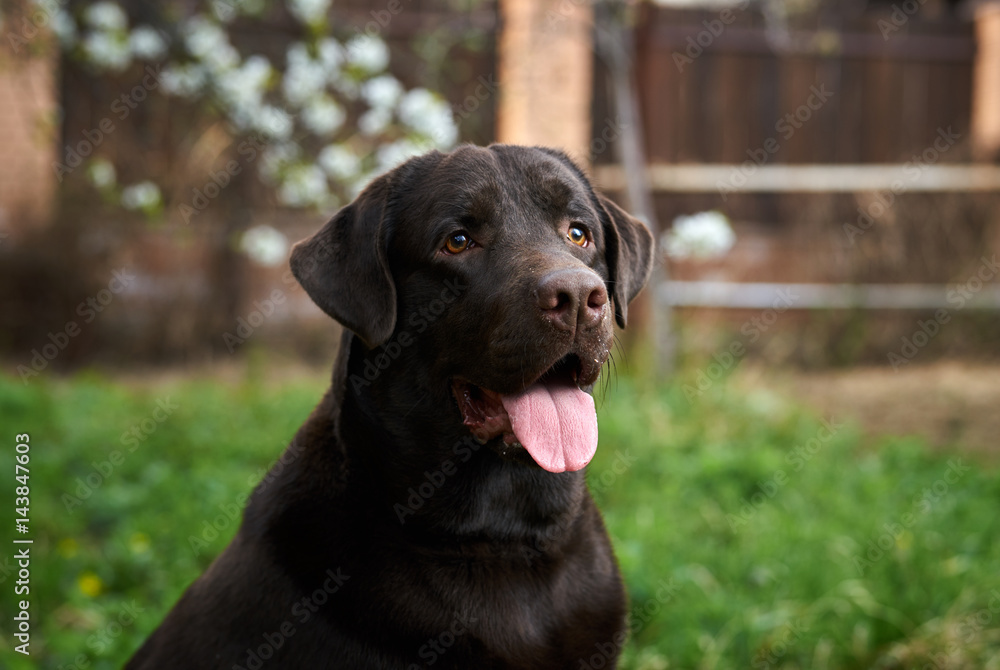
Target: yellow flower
pixel 90 584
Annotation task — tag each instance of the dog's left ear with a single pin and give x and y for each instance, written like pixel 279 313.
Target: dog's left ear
pixel 629 253
pixel 344 268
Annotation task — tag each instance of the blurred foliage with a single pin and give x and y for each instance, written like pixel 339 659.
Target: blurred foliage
pixel 738 520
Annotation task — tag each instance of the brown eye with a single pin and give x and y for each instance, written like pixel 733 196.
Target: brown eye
pixel 577 236
pixel 457 243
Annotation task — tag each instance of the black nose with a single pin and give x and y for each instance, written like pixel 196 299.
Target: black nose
pixel 572 298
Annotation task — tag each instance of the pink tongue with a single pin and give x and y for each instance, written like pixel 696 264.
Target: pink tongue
pixel 557 424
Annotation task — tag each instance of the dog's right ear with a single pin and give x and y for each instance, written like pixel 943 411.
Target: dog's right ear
pixel 344 268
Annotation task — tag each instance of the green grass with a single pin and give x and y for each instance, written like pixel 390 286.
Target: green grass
pixel 736 554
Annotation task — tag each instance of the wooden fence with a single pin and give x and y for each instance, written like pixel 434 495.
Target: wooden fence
pixel 713 91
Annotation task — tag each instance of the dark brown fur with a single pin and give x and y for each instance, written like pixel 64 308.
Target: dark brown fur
pixel 502 565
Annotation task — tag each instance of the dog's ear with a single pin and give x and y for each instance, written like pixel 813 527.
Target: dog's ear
pixel 629 253
pixel 344 268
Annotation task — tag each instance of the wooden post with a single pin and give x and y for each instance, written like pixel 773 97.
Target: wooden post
pixel 986 84
pixel 545 65
pixel 650 328
pixel 28 129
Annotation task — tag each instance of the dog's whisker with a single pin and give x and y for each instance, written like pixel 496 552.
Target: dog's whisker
pixel 419 400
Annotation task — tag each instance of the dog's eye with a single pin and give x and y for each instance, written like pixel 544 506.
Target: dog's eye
pixel 577 236
pixel 457 243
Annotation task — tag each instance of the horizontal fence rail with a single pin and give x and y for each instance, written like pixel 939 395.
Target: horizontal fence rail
pixel 753 295
pixel 788 178
pixel 760 41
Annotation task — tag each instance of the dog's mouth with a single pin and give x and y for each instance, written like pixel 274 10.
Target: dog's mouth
pixel 553 419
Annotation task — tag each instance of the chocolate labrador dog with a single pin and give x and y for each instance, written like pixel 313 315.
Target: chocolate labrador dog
pixel 432 512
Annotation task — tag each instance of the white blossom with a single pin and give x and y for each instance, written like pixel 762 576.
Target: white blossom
pixel 368 53
pixel 304 77
pixel 183 80
pixel 210 43
pixel 391 155
pixel 302 186
pixel 331 55
pixel 107 50
pixel 102 173
pixel 323 116
pixel 374 121
pixel 227 10
pixel 146 43
pixel 702 235
pixel 424 112
pixel 276 157
pixel 243 88
pixel 273 122
pixel 106 16
pixel 309 11
pixel 383 91
pixel 346 86
pixel 64 28
pixel 145 195
pixel 265 245
pixel 339 162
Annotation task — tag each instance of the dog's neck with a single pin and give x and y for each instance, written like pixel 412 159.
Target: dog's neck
pixel 449 483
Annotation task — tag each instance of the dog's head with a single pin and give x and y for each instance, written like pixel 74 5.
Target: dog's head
pixel 491 276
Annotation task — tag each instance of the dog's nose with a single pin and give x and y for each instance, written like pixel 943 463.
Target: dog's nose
pixel 572 298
